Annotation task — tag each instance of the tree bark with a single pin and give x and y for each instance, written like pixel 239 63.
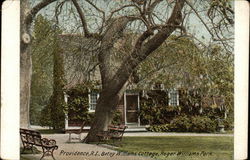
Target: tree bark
pixel 25 68
pixel 27 16
pixel 112 34
pixel 107 103
pixel 25 84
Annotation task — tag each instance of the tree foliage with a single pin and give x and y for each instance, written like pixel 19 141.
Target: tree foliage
pixel 181 63
pixel 48 75
pixel 42 58
pixel 57 102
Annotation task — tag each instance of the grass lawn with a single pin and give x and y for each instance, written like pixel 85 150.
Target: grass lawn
pixel 180 147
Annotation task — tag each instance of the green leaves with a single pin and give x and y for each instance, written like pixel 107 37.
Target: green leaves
pixel 78 104
pixel 42 66
pixel 47 99
pixel 187 124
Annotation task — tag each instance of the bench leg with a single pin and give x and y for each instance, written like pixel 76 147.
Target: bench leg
pixel 52 153
pixel 80 137
pixel 43 153
pixel 23 149
pixel 24 146
pixel 48 152
pixel 27 146
pixel 32 149
pixel 69 137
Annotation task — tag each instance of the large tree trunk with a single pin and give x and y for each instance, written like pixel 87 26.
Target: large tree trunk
pixel 25 84
pixel 111 92
pixel 25 67
pixel 105 109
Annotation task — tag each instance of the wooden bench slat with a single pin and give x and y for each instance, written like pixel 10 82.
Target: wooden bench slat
pixel 114 132
pixel 75 131
pixel 32 138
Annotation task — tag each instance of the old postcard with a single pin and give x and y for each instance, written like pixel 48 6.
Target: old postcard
pixel 124 79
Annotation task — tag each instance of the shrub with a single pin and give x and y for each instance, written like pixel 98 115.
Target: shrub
pixel 77 106
pixel 159 128
pixel 181 124
pixel 187 124
pixel 203 124
pixel 154 110
pixel 45 119
pixel 53 115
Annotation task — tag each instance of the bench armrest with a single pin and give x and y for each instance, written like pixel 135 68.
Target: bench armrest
pixel 48 142
pixel 116 134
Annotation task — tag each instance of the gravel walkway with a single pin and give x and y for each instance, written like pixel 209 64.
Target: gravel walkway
pixel 81 151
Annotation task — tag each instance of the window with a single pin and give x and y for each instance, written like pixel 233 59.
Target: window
pixel 93 96
pixel 173 97
pixel 158 86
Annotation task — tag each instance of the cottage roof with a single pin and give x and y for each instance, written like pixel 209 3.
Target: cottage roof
pixel 79 58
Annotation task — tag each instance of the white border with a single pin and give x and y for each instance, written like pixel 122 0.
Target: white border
pixel 241 79
pixel 10 65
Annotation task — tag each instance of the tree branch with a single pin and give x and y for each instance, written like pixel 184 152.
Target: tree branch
pixel 125 6
pixel 36 9
pixel 153 5
pixel 82 17
pixel 204 23
pixel 138 55
pixel 173 22
pixel 103 14
pixel 84 23
pixel 98 9
pixel 113 33
pixel 58 11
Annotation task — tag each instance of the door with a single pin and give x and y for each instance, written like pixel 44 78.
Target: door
pixel 132 108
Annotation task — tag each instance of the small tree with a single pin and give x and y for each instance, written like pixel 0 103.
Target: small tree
pixel 42 58
pixel 57 103
pixel 77 107
pixel 48 54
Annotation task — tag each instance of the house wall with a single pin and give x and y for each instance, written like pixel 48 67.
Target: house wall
pixel 121 107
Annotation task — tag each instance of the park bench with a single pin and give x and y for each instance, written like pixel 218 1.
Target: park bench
pixel 32 138
pixel 114 132
pixel 75 131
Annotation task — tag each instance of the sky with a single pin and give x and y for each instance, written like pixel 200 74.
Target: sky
pixel 70 22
